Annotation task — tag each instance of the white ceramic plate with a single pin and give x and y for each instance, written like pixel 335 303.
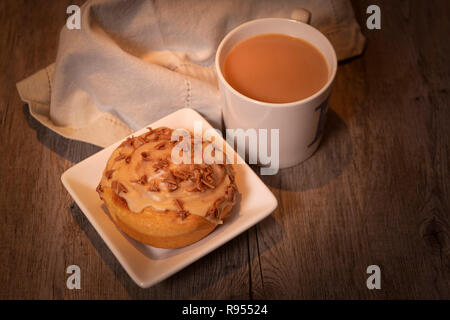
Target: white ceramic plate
pixel 147 265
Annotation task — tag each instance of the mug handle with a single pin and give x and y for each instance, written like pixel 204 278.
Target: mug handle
pixel 301 15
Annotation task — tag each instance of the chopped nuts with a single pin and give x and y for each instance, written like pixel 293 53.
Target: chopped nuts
pixel 150 136
pixel 99 188
pixel 139 142
pixel 171 186
pixel 128 142
pixel 153 186
pixel 171 182
pixel 145 156
pixel 118 187
pixel 120 157
pixel 179 204
pixel 213 212
pixel 142 180
pixel 182 174
pixel 181 212
pixel 160 145
pixel 202 178
pixel 209 185
pixel 109 173
pixel 161 164
pixel 230 192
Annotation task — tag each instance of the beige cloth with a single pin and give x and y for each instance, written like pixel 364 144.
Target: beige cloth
pixel 133 62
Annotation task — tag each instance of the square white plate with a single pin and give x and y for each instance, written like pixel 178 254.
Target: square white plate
pixel 148 265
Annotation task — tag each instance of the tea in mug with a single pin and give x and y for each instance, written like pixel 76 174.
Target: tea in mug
pixel 275 68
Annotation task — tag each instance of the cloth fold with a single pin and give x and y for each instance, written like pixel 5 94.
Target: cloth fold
pixel 133 62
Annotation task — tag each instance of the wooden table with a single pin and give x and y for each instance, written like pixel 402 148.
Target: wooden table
pixel 376 192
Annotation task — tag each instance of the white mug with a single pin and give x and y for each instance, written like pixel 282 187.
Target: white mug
pixel 300 123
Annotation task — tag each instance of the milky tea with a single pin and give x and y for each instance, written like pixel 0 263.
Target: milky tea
pixel 275 68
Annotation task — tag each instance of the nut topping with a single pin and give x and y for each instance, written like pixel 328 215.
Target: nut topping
pixel 153 186
pixel 183 214
pixel 109 173
pixel 142 180
pixel 120 157
pixel 154 172
pixel 118 187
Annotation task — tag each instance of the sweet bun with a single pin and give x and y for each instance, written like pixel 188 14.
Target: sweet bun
pixel 158 202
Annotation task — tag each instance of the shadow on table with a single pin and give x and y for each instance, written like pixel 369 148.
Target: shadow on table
pixel 71 150
pixel 196 277
pixel 326 164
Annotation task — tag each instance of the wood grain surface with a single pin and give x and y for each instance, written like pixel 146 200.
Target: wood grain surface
pixel 376 192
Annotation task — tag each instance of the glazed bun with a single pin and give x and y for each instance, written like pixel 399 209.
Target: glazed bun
pixel 158 202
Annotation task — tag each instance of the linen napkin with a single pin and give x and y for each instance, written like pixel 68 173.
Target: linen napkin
pixel 133 62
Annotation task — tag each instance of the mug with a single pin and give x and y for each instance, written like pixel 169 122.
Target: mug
pixel 300 123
